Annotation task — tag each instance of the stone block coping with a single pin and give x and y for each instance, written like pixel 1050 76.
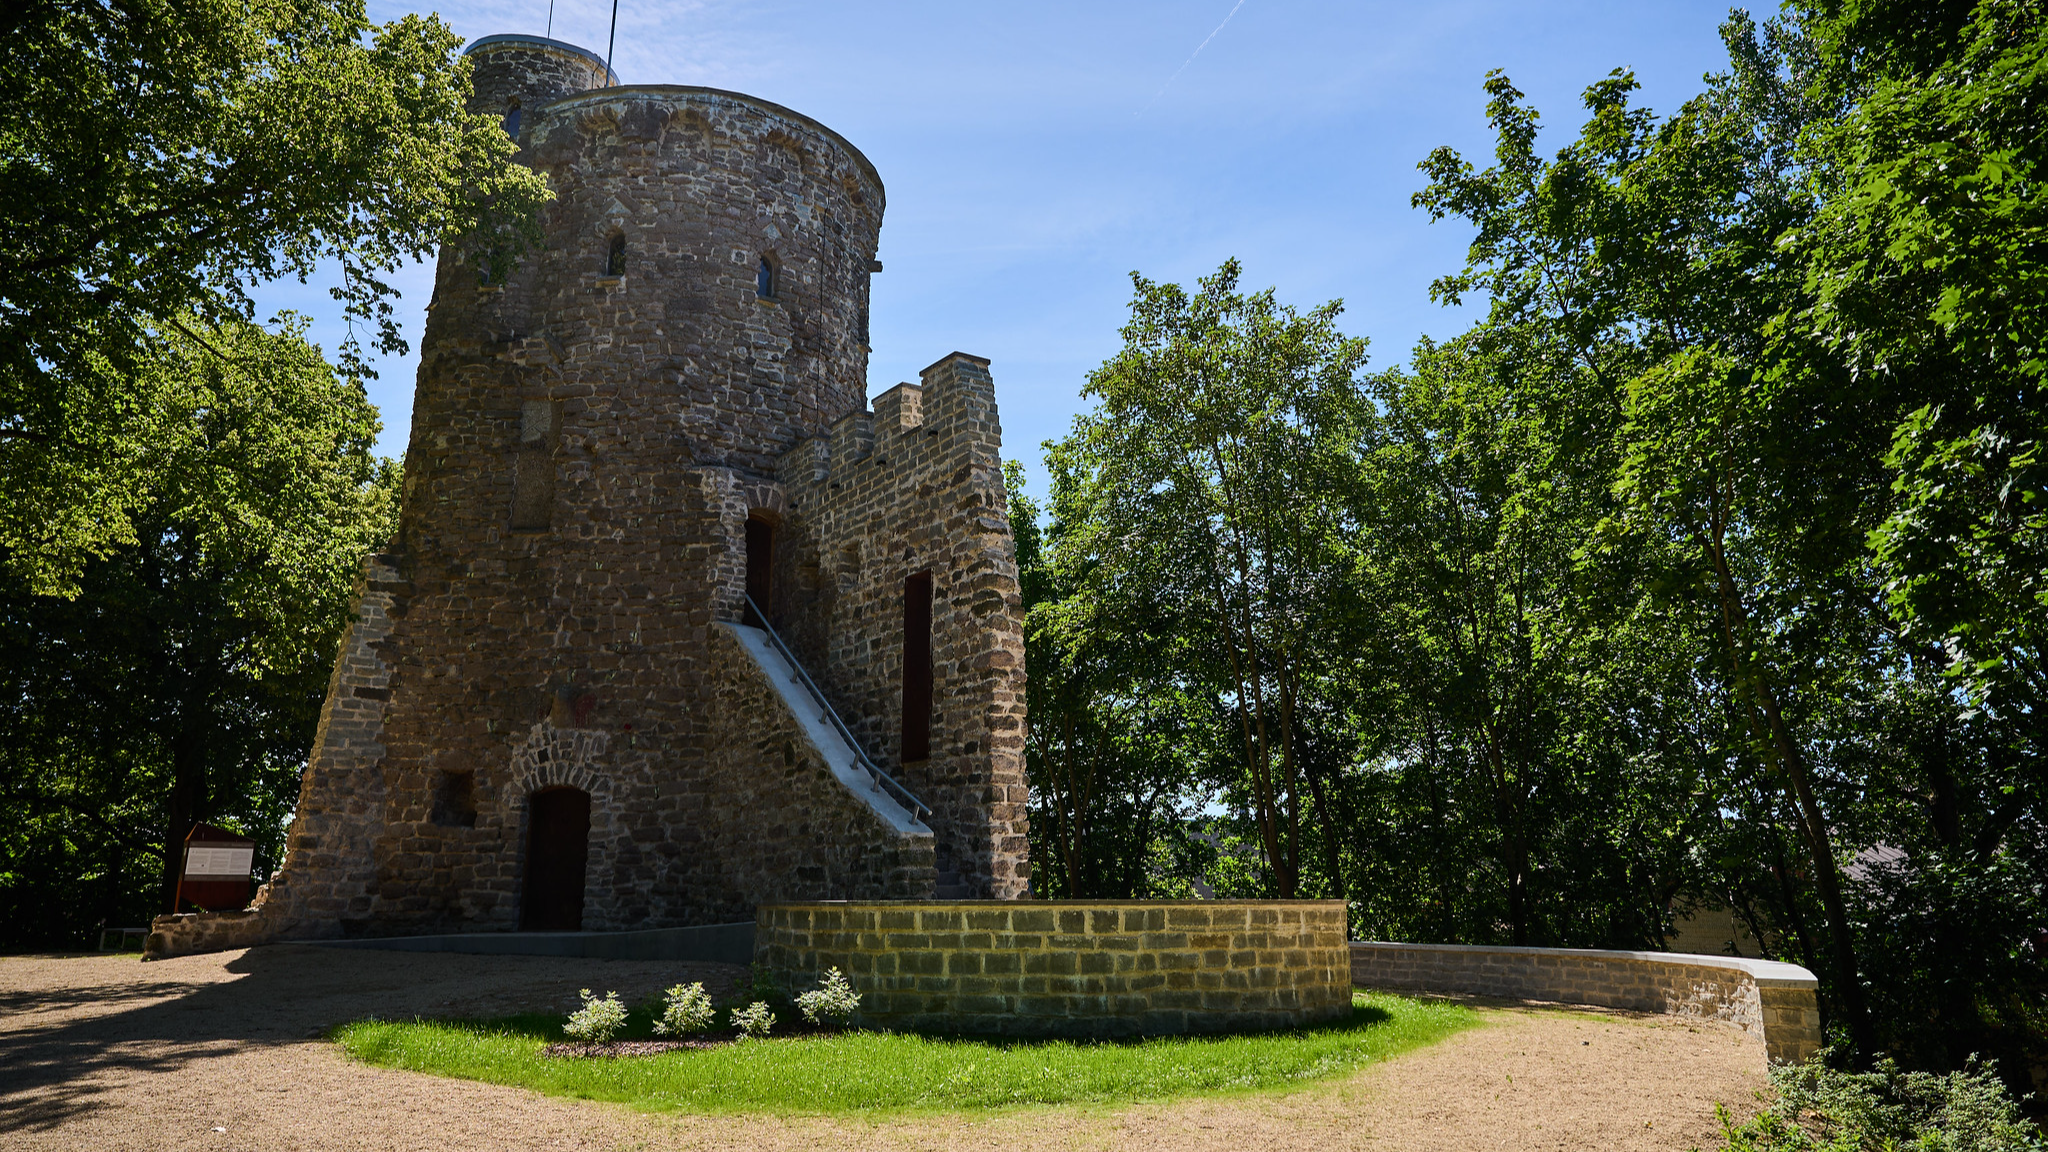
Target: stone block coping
pixel 1768 999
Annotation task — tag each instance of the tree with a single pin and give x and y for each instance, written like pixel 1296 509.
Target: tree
pixel 158 157
pixel 1203 511
pixel 182 683
pixel 1819 354
pixel 1573 796
pixel 1111 745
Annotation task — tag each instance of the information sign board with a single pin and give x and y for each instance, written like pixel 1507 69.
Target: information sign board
pixel 216 870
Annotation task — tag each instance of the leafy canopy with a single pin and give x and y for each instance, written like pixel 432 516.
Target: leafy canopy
pixel 157 158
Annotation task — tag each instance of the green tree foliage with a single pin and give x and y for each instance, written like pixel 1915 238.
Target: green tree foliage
pixel 157 158
pixel 185 496
pixel 183 681
pixel 1692 275
pixel 1707 569
pixel 1528 790
pixel 1202 514
pixel 1108 746
pixel 1925 276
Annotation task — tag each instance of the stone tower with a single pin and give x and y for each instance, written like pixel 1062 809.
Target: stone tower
pixel 554 709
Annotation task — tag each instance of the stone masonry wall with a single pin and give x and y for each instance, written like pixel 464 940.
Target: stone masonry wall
pixel 918 486
pixel 1772 1001
pixel 799 834
pixel 1070 968
pixel 329 843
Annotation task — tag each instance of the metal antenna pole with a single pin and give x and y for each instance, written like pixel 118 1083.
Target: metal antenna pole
pixel 551 20
pixel 610 77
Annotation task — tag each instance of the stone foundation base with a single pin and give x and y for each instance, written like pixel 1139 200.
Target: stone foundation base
pixel 1070 968
pixel 190 932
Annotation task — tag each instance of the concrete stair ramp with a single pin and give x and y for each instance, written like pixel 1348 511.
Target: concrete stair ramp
pixel 854 771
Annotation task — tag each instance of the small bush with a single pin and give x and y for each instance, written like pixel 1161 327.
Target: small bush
pixel 1821 1110
pixel 598 1020
pixel 686 1010
pixel 754 1020
pixel 834 1001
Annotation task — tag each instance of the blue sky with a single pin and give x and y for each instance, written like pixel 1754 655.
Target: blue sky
pixel 1036 154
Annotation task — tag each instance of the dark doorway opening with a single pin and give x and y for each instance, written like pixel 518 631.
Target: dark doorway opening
pixel 917 667
pixel 557 848
pixel 760 565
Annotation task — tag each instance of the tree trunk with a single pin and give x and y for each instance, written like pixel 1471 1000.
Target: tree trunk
pixel 1327 822
pixel 187 801
pixel 1827 878
pixel 1812 822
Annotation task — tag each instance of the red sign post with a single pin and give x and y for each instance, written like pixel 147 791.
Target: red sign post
pixel 216 869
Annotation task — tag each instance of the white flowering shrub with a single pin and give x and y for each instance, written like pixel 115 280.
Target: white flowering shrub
pixel 686 1010
pixel 598 1020
pixel 754 1020
pixel 833 1002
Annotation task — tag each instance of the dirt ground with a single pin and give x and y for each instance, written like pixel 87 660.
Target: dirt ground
pixel 221 1053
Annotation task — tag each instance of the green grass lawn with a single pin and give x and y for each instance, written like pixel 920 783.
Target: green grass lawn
pixel 883 1072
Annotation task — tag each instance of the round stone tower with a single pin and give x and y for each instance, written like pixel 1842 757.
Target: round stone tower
pixel 557 708
pixel 710 245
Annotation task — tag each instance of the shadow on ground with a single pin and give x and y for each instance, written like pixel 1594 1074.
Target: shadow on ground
pixel 67 1022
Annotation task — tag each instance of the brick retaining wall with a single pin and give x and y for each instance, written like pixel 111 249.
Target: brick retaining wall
pixel 1772 1001
pixel 1070 968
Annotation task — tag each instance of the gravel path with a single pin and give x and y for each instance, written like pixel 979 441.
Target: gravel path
pixel 220 1053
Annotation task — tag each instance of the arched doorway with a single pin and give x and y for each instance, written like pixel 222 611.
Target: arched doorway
pixel 557 848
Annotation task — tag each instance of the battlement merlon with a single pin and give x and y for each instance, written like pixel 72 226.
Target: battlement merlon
pixel 899 410
pixel 959 396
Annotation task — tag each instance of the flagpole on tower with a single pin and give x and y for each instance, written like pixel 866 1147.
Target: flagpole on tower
pixel 611 77
pixel 551 20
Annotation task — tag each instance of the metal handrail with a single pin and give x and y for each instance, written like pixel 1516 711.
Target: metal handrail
pixel 882 779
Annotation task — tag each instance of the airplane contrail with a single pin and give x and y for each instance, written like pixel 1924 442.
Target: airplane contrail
pixel 1190 60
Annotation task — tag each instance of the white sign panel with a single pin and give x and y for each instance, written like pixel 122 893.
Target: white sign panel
pixel 231 862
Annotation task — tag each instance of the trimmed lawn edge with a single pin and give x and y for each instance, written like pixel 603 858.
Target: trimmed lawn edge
pixel 874 1073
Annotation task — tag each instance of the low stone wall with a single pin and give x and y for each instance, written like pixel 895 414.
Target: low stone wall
pixel 1769 1000
pixel 190 932
pixel 1070 968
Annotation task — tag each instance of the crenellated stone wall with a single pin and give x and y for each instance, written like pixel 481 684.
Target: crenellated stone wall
pixel 1070 967
pixel 918 487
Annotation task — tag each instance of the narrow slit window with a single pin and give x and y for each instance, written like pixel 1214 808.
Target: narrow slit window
pixel 512 119
pixel 764 280
pixel 917 667
pixel 615 256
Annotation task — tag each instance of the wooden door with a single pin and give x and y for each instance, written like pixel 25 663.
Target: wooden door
pixel 557 848
pixel 917 668
pixel 760 565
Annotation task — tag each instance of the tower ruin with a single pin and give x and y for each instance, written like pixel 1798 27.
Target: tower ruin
pixel 628 449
